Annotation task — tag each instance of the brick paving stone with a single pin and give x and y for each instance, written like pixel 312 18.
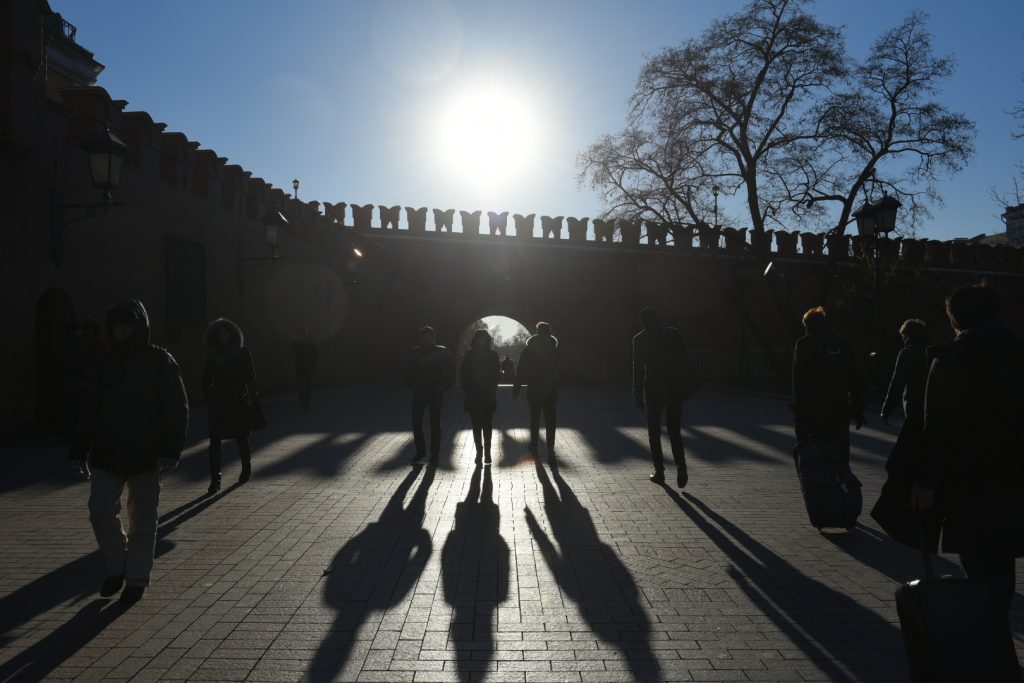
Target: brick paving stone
pixel 339 561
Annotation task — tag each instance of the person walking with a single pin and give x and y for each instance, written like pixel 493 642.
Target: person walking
pixel 972 472
pixel 429 371
pixel 228 386
pixel 305 353
pixel 508 370
pixel 130 431
pixel 538 369
pixel 826 385
pixel 479 376
pixel 662 379
pixel 907 388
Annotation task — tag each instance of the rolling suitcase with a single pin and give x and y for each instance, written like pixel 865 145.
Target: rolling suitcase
pixel 831 491
pixel 955 630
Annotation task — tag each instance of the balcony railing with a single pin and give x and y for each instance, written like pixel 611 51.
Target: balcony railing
pixel 68 29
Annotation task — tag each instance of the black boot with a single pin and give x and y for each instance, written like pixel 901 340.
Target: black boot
pixel 245 455
pixel 215 446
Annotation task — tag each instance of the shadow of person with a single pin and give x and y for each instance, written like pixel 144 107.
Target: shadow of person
pixel 842 637
pixel 41 658
pixel 892 559
pixel 475 574
pixel 591 574
pixel 69 584
pixel 374 570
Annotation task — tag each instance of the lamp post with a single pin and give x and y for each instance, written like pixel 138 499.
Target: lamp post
pixel 106 152
pixel 273 222
pixel 295 186
pixel 875 220
pixel 715 189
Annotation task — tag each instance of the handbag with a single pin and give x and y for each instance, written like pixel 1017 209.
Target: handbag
pixel 255 418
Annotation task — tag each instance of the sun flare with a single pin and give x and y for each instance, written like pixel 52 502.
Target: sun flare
pixel 488 137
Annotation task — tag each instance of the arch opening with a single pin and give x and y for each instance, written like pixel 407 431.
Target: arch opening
pixel 508 339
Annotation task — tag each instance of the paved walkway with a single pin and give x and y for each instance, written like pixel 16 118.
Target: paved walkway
pixel 339 561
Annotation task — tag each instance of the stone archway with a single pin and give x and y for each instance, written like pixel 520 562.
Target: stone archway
pixel 54 313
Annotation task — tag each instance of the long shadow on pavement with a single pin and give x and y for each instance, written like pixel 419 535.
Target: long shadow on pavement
pixel 591 574
pixel 475 574
pixel 373 571
pixel 71 584
pixel 834 631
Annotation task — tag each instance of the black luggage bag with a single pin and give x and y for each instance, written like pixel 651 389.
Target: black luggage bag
pixel 955 630
pixel 831 491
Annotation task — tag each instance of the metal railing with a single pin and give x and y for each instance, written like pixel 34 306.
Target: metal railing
pixel 68 29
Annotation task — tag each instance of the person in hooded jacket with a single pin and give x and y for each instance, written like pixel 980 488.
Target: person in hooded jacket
pixel 228 379
pixel 538 369
pixel 429 371
pixel 659 360
pixel 972 469
pixel 479 377
pixel 131 430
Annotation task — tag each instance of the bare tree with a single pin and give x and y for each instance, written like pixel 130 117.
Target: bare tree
pixel 885 122
pixel 1015 197
pixel 765 102
pixel 640 174
pixel 743 91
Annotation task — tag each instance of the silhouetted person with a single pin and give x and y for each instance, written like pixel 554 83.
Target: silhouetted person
pixel 972 469
pixel 479 377
pixel 228 379
pixel 132 427
pixel 475 574
pixel 508 370
pixel 660 362
pixel 429 371
pixel 907 388
pixel 826 384
pixel 538 369
pixel 305 354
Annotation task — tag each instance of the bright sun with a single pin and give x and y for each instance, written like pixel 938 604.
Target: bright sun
pixel 488 137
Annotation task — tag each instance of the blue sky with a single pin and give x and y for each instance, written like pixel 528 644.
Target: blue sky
pixel 351 97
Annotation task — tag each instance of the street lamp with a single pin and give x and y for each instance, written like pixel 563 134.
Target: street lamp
pixel 715 189
pixel 295 186
pixel 875 220
pixel 273 222
pixel 106 152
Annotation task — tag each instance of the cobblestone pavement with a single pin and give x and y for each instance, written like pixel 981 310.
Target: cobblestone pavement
pixel 339 561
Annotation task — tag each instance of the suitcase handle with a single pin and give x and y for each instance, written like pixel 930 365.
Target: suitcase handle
pixel 926 557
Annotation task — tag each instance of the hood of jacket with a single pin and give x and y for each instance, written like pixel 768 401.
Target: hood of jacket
pixel 133 313
pixel 236 339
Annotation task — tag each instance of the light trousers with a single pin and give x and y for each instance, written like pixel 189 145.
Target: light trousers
pixel 129 553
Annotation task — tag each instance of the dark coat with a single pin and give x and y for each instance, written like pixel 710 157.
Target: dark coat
pixel 305 353
pixel 429 369
pixel 134 410
pixel 481 387
pixel 538 368
pixel 908 381
pixel 226 377
pixel 660 359
pixel 826 384
pixel 973 444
